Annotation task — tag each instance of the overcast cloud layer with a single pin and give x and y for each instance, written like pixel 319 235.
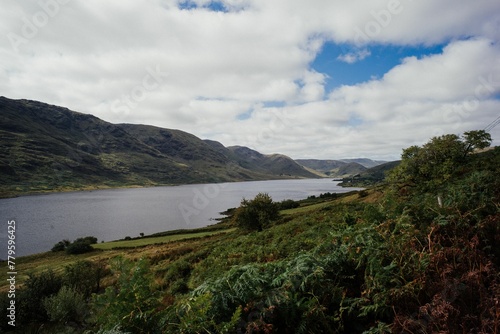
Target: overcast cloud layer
pixel 243 75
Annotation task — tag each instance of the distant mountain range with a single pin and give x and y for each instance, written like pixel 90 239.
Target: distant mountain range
pixel 51 148
pixel 339 168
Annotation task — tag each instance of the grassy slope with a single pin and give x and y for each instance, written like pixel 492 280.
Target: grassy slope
pixel 154 240
pixel 141 247
pixel 167 246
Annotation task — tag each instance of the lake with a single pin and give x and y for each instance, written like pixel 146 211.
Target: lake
pixel 43 220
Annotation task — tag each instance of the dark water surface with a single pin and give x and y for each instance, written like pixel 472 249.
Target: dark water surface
pixel 43 220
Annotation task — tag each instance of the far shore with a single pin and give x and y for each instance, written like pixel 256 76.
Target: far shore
pixel 13 194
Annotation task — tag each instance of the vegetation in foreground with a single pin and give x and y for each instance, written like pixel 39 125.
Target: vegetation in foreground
pixel 418 255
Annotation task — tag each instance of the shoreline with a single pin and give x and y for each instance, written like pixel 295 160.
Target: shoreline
pixel 8 194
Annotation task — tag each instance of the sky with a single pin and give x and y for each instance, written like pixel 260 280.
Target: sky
pixel 323 79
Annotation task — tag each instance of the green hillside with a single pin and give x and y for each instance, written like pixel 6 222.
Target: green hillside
pixel 419 254
pixel 50 148
pixel 277 164
pixel 337 168
pixel 370 176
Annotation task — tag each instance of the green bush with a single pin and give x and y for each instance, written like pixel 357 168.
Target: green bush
pixel 30 297
pixel 90 239
pixel 84 276
pixel 257 214
pixel 288 204
pixel 75 247
pixel 61 245
pixel 79 247
pixel 66 305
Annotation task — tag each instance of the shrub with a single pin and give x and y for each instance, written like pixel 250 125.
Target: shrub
pixel 60 246
pixel 84 276
pixel 79 247
pixel 288 204
pixel 35 290
pixel 328 195
pixel 91 240
pixel 66 305
pixel 257 214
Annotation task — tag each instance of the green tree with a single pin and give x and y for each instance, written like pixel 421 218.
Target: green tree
pixel 431 166
pixel 257 214
pixel 477 139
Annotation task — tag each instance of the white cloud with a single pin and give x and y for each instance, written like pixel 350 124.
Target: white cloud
pixel 93 56
pixel 353 57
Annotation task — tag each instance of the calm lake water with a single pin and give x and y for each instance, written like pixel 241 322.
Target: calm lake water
pixel 43 220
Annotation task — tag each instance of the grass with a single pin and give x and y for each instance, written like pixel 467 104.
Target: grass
pixel 154 240
pixel 144 247
pixel 307 208
pixel 38 263
pixel 372 195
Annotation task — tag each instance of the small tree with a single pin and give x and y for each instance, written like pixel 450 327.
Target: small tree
pixel 257 214
pixel 478 139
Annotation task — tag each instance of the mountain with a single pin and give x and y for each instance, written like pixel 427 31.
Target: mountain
pixel 368 163
pixel 46 148
pixel 370 176
pixel 335 168
pixel 351 168
pixel 277 164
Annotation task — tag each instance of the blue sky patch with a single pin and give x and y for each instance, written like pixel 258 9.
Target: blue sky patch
pixel 214 6
pixel 348 65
